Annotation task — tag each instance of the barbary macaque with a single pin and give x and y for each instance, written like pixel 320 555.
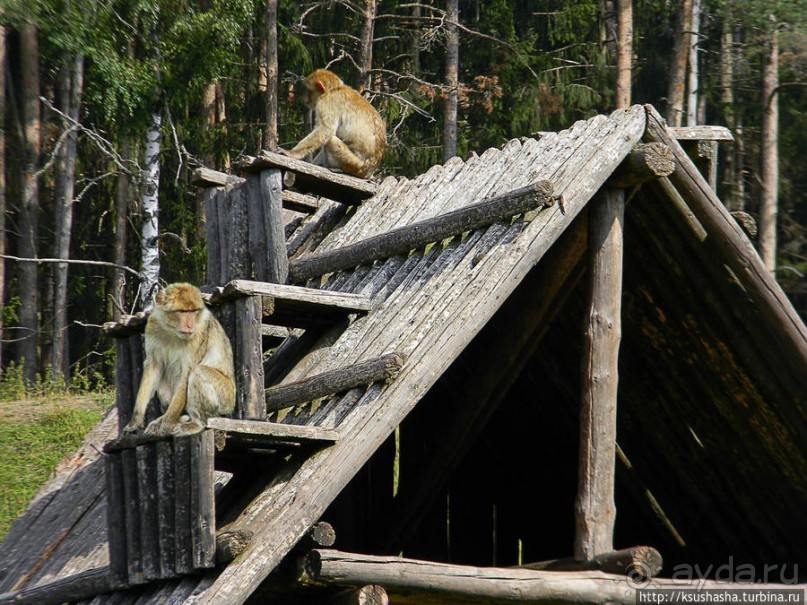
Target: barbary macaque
pixel 189 365
pixel 348 132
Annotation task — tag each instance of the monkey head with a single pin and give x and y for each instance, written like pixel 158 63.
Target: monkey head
pixel 317 84
pixel 180 307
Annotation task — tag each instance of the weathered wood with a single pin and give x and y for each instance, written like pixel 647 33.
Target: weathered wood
pixel 310 178
pixel 234 216
pixel 207 177
pixel 202 504
pixel 256 431
pixel 372 594
pixel 123 383
pixel 307 204
pixel 116 520
pixel 126 325
pixel 404 239
pixel 704 156
pixel 182 505
pixel 700 133
pixel 433 320
pixel 316 227
pixel 131 496
pixel 647 162
pixel 166 507
pixel 294 306
pixel 484 585
pixel 639 562
pixel 146 504
pixel 216 251
pixel 595 511
pixel 277 260
pixel 248 358
pixel 71 588
pixel 737 251
pixel 230 544
pixel 334 381
pixel 747 222
pixel 680 204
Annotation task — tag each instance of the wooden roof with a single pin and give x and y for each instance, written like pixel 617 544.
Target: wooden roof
pixel 744 375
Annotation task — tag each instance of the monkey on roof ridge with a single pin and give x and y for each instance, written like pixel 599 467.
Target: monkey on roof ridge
pixel 348 132
pixel 188 365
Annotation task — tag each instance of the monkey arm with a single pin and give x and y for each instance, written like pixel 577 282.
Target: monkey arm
pixel 166 422
pixel 317 138
pixel 148 387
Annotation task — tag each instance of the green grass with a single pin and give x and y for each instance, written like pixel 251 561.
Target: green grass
pixel 35 434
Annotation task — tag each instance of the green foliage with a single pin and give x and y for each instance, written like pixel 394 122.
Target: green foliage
pixel 31 447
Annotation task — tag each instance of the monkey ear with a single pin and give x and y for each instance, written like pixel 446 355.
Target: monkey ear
pixel 321 87
pixel 159 298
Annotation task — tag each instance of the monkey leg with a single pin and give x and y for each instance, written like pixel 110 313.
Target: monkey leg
pixel 340 156
pixel 210 393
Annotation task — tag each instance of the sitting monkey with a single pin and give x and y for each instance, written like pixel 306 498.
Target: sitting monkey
pixel 348 132
pixel 188 365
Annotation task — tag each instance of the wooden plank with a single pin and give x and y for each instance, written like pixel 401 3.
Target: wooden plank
pixel 202 501
pixel 271 431
pixel 214 245
pixel 116 520
pixel 131 495
pixel 277 260
pixel 182 505
pixel 595 511
pixel 700 133
pixel 123 384
pixel 166 507
pixel 335 381
pixel 314 179
pixel 299 202
pixel 71 589
pixel 248 357
pixel 404 239
pixel 146 456
pixel 207 177
pixel 236 223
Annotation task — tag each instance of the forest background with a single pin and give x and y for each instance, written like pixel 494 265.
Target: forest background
pixel 107 107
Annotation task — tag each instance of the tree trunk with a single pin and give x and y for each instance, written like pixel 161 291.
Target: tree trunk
pixel 366 50
pixel 29 210
pixel 624 53
pixel 727 105
pixel 692 82
pixel 72 88
pixel 121 235
pixel 3 60
pixel 270 132
pixel 770 151
pixel 675 90
pixel 452 80
pixel 149 201
pixel 415 42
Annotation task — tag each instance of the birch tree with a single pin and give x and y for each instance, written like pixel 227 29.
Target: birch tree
pixel 769 205
pixel 451 81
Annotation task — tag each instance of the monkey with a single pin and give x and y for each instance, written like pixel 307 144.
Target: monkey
pixel 348 131
pixel 188 365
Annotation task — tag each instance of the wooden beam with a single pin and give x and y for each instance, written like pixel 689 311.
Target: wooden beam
pixel 647 162
pixel 310 178
pixel 71 588
pixel 404 239
pixel 595 511
pixel 327 383
pixel 701 133
pixel 372 594
pixel 639 562
pixel 207 177
pixel 299 202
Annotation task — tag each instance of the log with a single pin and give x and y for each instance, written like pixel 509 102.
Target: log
pixel 701 133
pixel 747 222
pixel 416 582
pixel 704 156
pixel 334 381
pixel 639 562
pixel 595 511
pixel 72 588
pixel 248 358
pixel 207 177
pixel 307 204
pixel 310 178
pixel 404 239
pixel 647 162
pixel 230 544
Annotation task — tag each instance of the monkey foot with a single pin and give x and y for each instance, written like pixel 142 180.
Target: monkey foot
pixel 187 428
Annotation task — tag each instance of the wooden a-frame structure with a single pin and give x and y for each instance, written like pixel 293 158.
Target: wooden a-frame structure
pixel 445 303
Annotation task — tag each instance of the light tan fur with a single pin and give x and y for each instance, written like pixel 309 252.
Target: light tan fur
pixel 348 132
pixel 188 365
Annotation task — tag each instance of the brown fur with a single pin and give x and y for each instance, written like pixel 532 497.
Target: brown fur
pixel 348 130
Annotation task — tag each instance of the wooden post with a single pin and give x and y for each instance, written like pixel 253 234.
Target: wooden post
pixel 277 261
pixel 595 511
pixel 248 352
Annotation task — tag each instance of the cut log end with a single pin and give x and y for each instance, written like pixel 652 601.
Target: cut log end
pixel 646 162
